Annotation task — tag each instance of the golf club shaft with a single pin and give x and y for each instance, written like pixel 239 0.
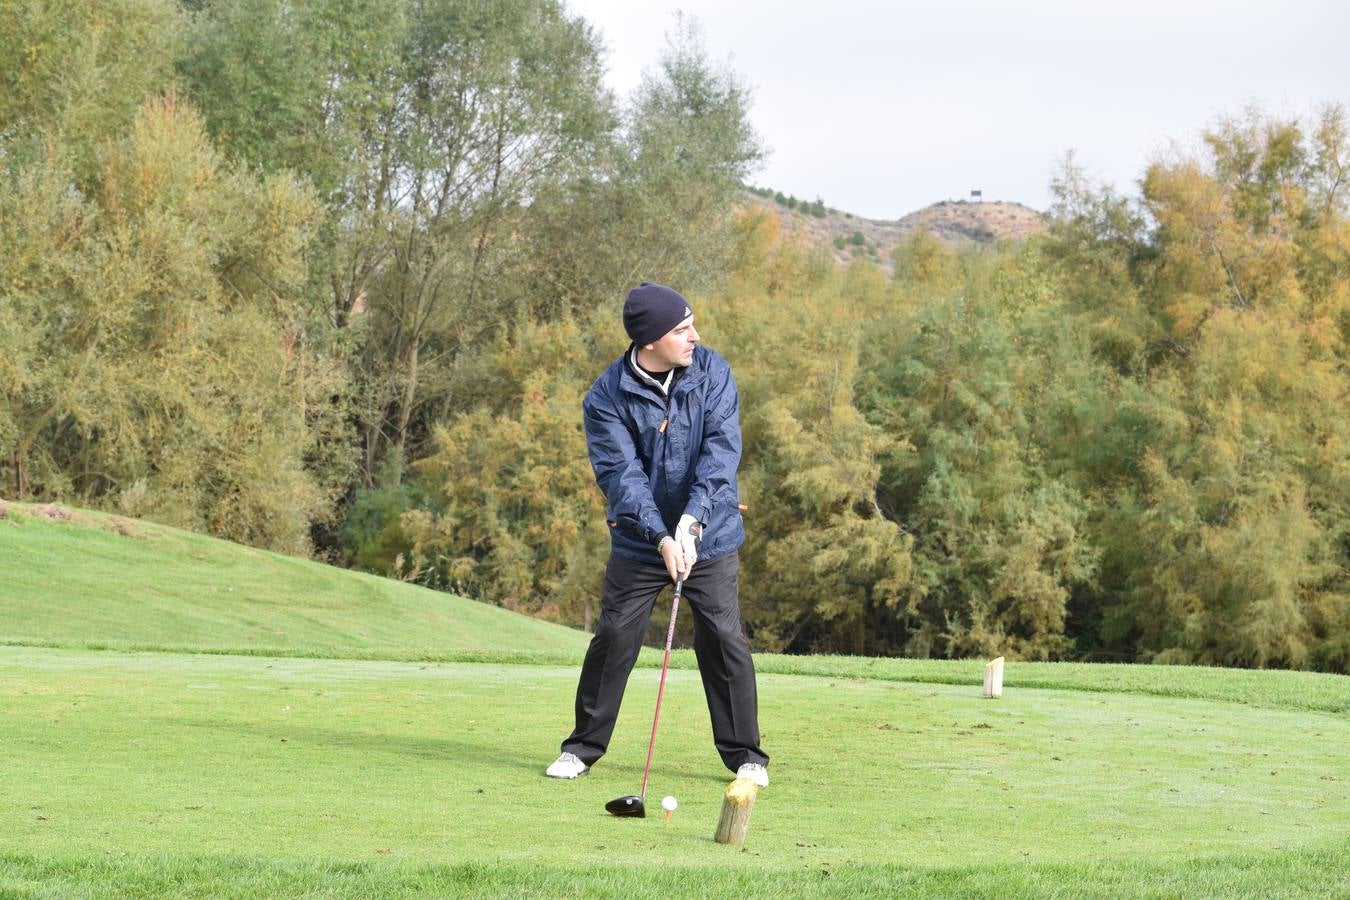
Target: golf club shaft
pixel 665 664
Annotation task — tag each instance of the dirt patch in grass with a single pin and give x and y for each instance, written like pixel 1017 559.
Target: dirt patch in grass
pixel 124 527
pixel 54 511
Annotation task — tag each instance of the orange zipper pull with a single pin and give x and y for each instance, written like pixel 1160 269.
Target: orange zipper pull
pixel 662 429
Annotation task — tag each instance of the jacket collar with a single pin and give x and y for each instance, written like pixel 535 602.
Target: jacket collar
pixel 637 372
pixel 693 373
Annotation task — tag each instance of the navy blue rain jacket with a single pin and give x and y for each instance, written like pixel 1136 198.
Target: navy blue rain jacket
pixel 650 477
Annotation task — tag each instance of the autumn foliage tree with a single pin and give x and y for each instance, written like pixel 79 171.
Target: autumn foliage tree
pixel 1236 544
pixel 825 567
pixel 151 361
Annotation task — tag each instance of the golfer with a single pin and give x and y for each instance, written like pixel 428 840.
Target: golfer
pixel 664 436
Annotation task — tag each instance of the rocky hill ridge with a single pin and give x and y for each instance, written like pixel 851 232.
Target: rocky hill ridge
pixel 848 237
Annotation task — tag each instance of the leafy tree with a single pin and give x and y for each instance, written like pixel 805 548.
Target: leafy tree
pixel 1100 252
pixel 80 69
pixel 153 318
pixel 519 520
pixel 824 568
pixel 519 538
pixel 426 127
pixel 1000 543
pixel 922 259
pixel 301 87
pixel 1224 536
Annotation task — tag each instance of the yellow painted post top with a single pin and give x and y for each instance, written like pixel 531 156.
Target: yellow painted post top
pixel 742 791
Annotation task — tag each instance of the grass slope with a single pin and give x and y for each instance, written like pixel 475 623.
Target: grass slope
pixel 317 772
pixel 84 583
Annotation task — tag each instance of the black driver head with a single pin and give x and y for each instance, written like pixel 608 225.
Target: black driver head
pixel 631 805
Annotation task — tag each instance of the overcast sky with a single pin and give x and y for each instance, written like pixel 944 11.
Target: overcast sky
pixel 882 108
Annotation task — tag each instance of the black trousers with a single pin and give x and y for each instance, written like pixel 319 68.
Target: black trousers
pixel 723 656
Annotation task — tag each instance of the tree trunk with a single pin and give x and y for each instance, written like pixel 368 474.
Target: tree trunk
pixel 406 404
pixel 20 479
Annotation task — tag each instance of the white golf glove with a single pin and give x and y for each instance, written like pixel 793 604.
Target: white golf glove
pixel 687 533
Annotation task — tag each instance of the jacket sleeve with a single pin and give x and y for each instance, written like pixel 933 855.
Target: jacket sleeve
pixel 619 472
pixel 720 454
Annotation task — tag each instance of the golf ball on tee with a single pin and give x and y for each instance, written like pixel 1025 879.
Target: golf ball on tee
pixel 668 804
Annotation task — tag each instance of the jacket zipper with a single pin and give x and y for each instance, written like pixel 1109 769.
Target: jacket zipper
pixel 666 420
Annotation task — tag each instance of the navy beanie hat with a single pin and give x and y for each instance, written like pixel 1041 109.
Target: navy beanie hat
pixel 651 310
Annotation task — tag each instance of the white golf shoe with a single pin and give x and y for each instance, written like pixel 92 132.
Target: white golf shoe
pixel 567 766
pixel 755 772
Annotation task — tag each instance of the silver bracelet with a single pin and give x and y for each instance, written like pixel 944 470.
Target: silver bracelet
pixel 661 543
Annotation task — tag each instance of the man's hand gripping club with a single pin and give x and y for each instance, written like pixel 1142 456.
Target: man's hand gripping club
pixel 680 550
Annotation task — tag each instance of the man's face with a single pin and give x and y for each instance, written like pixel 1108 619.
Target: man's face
pixel 676 348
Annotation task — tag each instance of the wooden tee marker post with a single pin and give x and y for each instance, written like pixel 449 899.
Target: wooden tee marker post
pixel 737 804
pixel 993 678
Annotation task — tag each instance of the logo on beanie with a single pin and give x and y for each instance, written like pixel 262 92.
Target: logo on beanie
pixel 688 312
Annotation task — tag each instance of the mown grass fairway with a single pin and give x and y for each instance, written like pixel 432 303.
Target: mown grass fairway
pixel 170 773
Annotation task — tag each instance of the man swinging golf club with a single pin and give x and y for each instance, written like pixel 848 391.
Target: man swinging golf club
pixel 664 437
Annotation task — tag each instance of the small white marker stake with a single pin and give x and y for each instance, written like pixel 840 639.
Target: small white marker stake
pixel 993 678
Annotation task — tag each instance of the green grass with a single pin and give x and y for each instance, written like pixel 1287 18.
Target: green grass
pixel 80 583
pixel 1300 873
pixel 274 769
pixel 318 773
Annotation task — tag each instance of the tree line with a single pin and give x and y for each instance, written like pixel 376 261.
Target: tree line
pixel 332 278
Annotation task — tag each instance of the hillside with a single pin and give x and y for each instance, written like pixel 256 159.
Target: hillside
pixel 81 579
pixel 954 222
